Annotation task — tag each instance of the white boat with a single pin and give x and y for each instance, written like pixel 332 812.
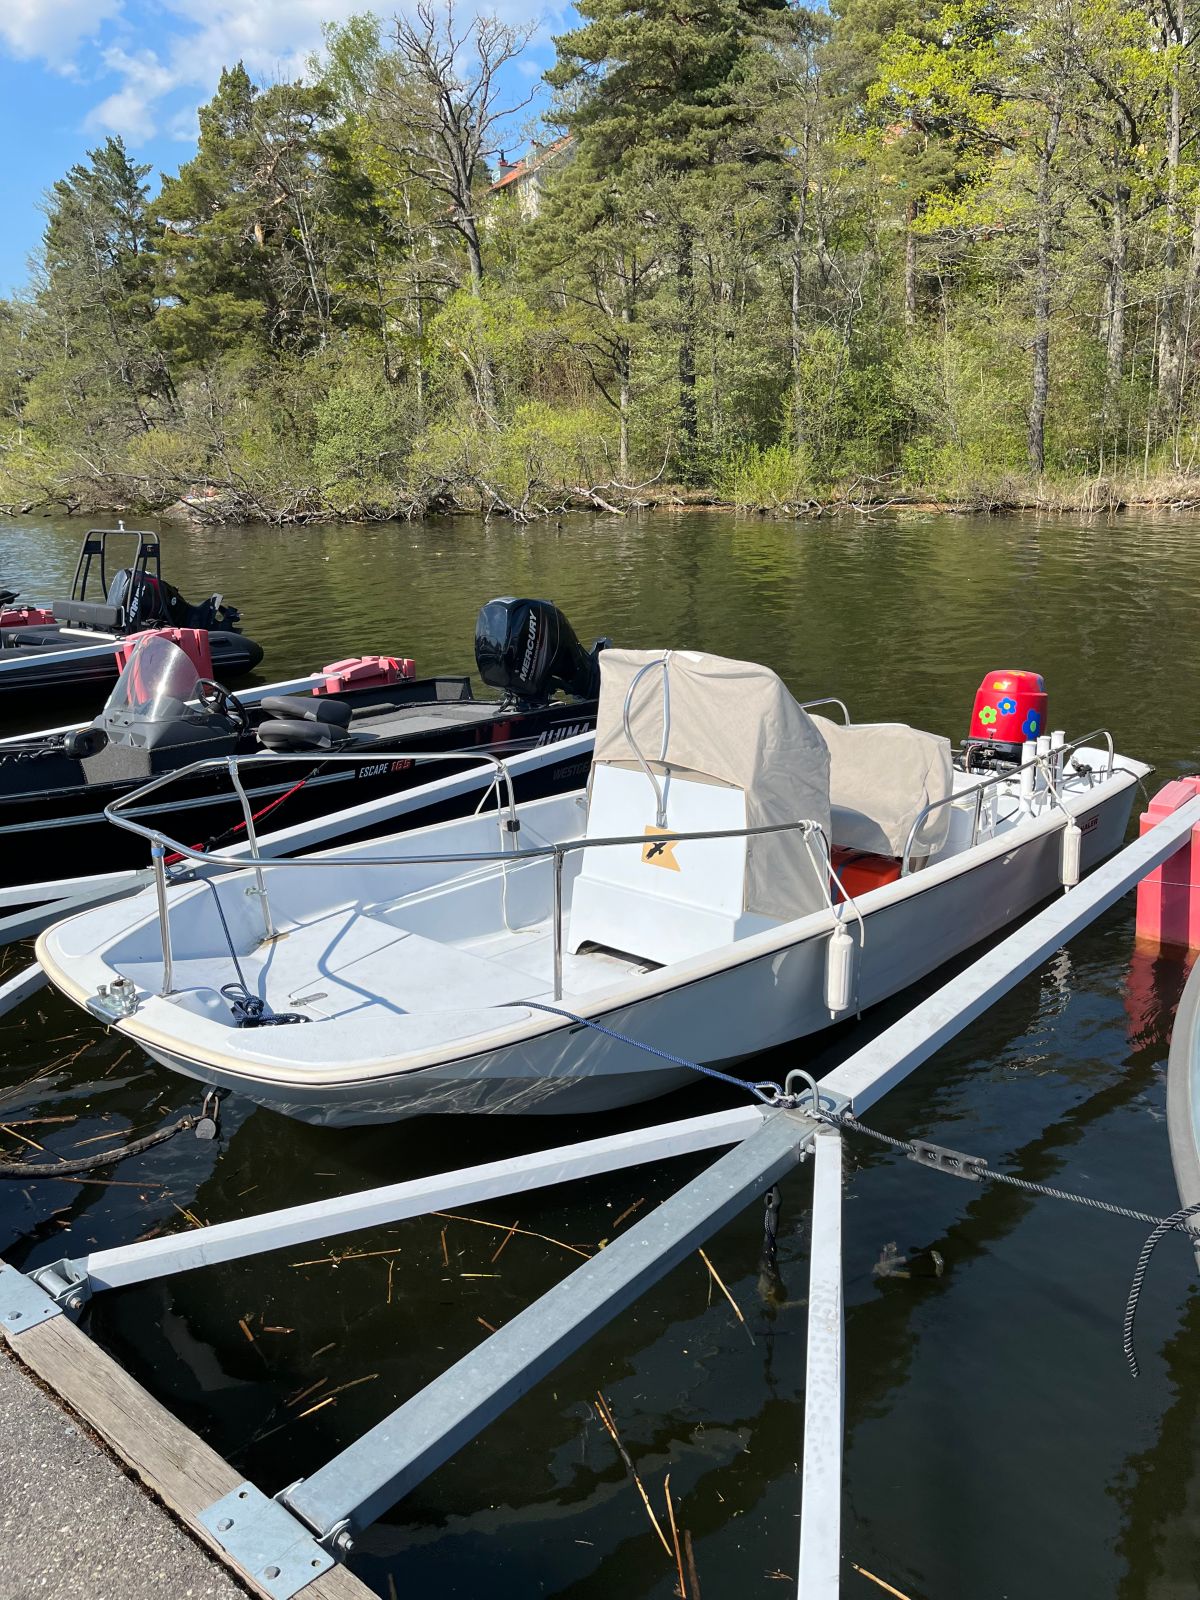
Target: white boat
pixel 683 901
pixel 1183 1100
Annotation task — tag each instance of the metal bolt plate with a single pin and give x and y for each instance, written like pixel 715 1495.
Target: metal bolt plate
pixel 23 1303
pixel 276 1549
pixel 113 1006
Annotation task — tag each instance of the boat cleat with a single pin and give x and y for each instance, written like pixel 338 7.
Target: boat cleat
pixel 114 1001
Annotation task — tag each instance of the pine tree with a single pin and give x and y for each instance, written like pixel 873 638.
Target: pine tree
pixel 96 304
pixel 252 221
pixel 653 92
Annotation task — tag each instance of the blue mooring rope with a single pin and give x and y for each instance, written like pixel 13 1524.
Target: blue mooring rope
pixel 766 1091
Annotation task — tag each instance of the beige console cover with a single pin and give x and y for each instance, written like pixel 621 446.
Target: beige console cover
pixel 735 723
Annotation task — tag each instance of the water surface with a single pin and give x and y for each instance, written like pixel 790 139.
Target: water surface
pixel 995 1444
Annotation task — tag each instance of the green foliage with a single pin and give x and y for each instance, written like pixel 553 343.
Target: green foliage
pixel 899 246
pixel 539 453
pixel 362 437
pixel 773 478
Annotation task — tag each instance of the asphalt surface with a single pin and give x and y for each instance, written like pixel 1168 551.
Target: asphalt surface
pixel 74 1525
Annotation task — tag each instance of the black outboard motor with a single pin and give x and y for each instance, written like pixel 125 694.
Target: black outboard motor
pixel 528 649
pixel 149 600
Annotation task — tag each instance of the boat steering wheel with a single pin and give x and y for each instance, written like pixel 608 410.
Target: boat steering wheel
pixel 215 697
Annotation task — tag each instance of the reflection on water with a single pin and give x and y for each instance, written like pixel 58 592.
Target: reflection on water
pixel 995 1444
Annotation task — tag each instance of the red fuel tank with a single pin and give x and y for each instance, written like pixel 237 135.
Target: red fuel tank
pixel 1010 707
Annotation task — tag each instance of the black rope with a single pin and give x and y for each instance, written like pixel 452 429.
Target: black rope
pixel 249 1011
pixel 61 1169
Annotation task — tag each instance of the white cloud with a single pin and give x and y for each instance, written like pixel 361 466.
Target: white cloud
pixel 130 111
pixel 191 40
pixel 184 126
pixel 52 29
pixel 273 37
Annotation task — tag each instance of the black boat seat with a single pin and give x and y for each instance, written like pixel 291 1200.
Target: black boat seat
pixel 290 733
pixel 306 708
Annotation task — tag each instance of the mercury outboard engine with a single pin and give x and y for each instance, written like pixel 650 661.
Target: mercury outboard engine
pixel 149 599
pixel 528 649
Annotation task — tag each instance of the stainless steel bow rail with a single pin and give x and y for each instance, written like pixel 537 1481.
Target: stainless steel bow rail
pixel 29 908
pixel 162 846
pixel 288 1544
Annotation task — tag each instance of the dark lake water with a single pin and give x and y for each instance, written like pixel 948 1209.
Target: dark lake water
pixel 996 1446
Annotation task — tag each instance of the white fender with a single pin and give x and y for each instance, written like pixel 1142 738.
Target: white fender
pixel 839 971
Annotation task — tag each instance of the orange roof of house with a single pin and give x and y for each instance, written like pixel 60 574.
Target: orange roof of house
pixel 523 169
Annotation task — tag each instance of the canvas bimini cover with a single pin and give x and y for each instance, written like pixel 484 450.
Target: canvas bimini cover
pixel 728 722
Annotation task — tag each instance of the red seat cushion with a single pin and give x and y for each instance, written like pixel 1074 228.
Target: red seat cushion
pixel 861 872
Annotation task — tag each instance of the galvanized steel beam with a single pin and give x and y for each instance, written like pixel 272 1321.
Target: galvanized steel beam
pixel 369 1208
pixel 20 986
pixel 35 918
pixel 398 1453
pixel 824 1383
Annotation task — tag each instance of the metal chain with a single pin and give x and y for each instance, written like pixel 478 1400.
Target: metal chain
pixel 952 1162
pixel 33 1169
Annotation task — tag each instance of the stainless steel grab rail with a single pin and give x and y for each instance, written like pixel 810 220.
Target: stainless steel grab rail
pixel 660 805
pixel 162 844
pixel 828 700
pixel 994 781
pixel 115 810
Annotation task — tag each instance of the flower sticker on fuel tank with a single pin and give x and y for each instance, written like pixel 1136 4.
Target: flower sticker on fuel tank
pixel 987 715
pixel 1008 706
pixel 1032 725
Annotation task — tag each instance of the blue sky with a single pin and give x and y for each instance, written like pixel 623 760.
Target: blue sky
pixel 72 71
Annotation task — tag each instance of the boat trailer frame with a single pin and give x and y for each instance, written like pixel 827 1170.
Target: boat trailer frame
pixel 283 1543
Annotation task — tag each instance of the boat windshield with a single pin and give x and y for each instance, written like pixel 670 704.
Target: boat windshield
pixel 158 680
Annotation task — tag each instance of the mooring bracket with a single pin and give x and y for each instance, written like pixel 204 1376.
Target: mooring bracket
pixel 27 1299
pixel 66 1282
pixel 805 1093
pixel 268 1542
pixel 24 1304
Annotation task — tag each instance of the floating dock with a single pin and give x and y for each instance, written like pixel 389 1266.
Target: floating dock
pixel 296 1540
pixel 73 1520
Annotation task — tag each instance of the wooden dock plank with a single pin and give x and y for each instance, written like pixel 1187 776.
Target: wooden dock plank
pixel 186 1474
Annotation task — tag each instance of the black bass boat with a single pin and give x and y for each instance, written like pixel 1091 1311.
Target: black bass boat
pixel 72 646
pixel 163 716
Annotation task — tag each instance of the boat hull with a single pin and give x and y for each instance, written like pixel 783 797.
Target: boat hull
pixel 1183 1098
pixel 721 1017
pixel 56 666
